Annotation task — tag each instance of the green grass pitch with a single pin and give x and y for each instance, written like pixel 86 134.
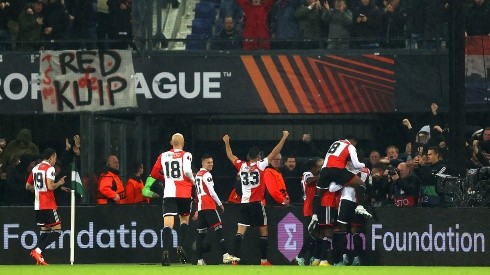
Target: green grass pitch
pixel 147 269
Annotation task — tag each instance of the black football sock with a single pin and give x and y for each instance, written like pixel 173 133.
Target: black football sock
pixel 237 243
pixel 167 238
pixel 183 232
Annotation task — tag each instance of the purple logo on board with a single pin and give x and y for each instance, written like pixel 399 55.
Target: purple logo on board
pixel 290 236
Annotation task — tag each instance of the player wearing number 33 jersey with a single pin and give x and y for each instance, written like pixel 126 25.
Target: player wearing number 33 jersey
pixel 252 212
pixel 250 174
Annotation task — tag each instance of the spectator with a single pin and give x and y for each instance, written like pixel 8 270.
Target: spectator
pixel 486 143
pixel 120 14
pixel 256 29
pixel 276 192
pixel 426 170
pixel 308 16
pixel 405 189
pixel 307 148
pixel 437 131
pixel 69 160
pixel 56 25
pixel 391 156
pixel 111 189
pixel 374 159
pixel 339 21
pixel 419 143
pixel 477 18
pixel 30 26
pixel 407 155
pixel 367 23
pixel 5 16
pixel 15 191
pixel 284 30
pixel 22 145
pixel 62 194
pixel 3 143
pixel 478 149
pixel 427 21
pixel 393 20
pixel 104 29
pixel 292 178
pixel 230 8
pixel 229 38
pixel 84 13
pixel 135 185
pixel 380 185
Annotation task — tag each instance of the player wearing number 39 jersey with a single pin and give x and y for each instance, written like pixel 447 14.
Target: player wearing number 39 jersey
pixel 174 167
pixel 41 182
pixel 251 209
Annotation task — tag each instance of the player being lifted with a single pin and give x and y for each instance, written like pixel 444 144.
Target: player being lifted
pixel 333 177
pixel 252 212
pixel 206 214
pixel 334 174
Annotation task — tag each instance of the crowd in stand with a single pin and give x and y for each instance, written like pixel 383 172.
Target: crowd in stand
pixel 249 24
pixel 65 24
pixel 341 24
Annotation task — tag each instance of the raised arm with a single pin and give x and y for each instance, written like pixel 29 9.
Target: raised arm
pixel 229 153
pixel 279 146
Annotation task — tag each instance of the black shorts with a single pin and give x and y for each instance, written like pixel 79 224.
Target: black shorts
pixel 337 175
pixel 176 206
pixel 252 214
pixel 359 220
pixel 47 218
pixel 327 216
pixel 208 219
pixel 346 211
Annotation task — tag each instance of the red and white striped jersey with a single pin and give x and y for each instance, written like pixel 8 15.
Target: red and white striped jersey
pixel 206 196
pixel 309 191
pixel 172 167
pixel 250 174
pixel 339 153
pixel 44 198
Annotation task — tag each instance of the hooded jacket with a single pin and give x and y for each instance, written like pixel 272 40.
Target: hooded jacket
pixel 22 145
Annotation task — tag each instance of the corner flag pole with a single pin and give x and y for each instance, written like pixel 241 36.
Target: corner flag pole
pixel 72 227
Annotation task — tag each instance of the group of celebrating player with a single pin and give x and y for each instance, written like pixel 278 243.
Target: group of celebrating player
pixel 330 190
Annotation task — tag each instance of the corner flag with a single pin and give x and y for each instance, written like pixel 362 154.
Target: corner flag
pixel 76 182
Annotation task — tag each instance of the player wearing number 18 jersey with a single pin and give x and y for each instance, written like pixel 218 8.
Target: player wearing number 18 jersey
pixel 174 167
pixel 41 182
pixel 251 209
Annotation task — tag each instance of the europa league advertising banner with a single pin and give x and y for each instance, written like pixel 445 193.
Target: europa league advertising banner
pixel 183 82
pixel 121 234
pixel 69 81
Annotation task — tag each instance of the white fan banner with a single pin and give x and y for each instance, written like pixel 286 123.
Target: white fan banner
pixel 77 81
